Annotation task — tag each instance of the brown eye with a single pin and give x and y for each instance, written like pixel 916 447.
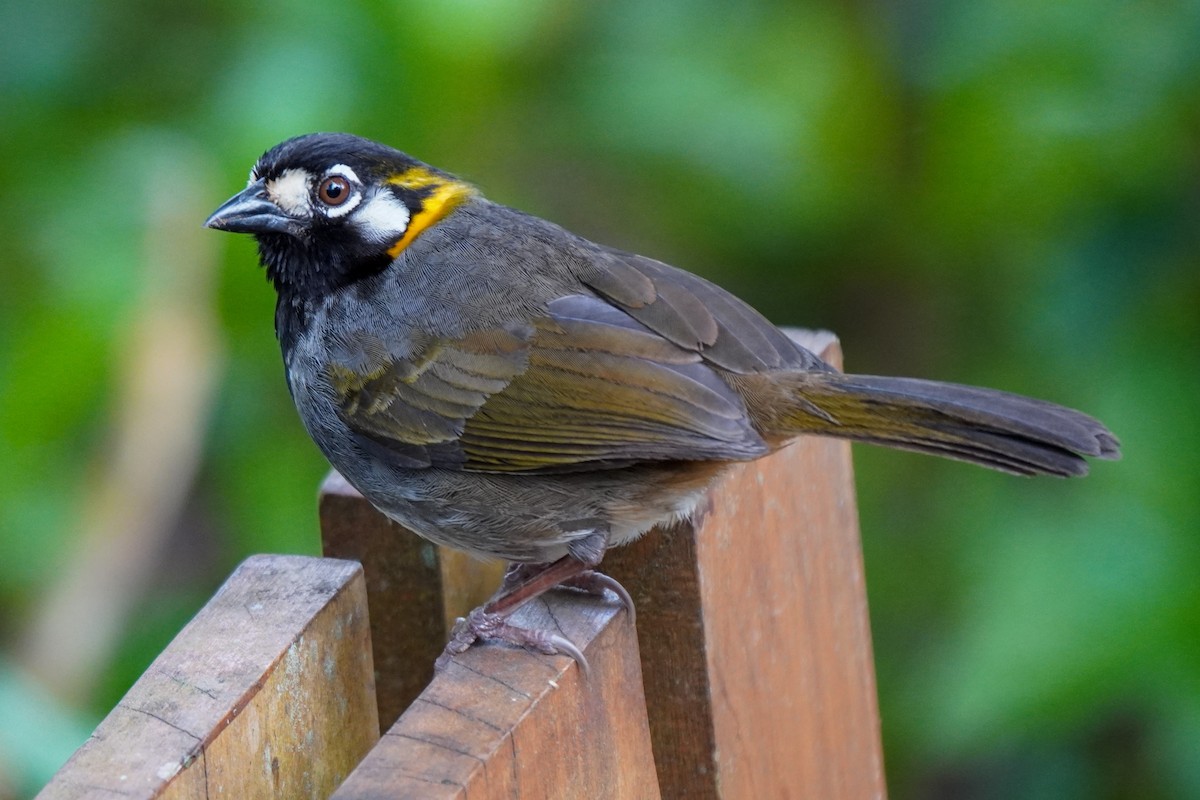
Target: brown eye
pixel 334 190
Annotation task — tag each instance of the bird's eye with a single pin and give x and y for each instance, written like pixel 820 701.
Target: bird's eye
pixel 334 190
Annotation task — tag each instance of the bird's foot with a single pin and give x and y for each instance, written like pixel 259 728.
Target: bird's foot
pixel 482 624
pixel 522 583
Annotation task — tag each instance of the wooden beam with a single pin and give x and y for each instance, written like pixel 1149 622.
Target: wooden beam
pixel 501 722
pixel 267 692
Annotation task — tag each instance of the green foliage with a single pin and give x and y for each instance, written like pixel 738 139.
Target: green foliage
pixel 990 191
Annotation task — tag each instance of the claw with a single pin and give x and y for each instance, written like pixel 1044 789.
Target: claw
pixel 594 582
pixel 565 646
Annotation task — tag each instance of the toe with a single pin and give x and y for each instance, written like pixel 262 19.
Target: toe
pixel 594 582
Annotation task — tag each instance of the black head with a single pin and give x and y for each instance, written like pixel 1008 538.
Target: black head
pixel 329 209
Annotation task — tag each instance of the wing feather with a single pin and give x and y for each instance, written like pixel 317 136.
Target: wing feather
pixel 702 316
pixel 587 386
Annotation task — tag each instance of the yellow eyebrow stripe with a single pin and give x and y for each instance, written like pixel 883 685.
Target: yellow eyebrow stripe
pixel 445 194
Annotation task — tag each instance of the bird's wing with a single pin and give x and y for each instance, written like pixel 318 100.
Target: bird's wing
pixel 695 314
pixel 585 386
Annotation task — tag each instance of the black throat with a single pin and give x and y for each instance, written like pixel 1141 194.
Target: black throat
pixel 304 271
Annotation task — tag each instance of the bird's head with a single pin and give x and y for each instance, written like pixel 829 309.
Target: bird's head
pixel 329 208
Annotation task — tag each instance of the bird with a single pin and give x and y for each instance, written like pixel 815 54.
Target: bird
pixel 502 386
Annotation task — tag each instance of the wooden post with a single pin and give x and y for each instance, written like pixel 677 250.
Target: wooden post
pixel 755 639
pixel 415 591
pixel 267 692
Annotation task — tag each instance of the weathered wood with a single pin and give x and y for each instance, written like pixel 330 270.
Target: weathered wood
pixel 754 634
pixel 415 591
pixel 501 722
pixel 267 692
pixel 467 582
pixel 404 593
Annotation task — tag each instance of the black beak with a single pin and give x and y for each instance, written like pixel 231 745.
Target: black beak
pixel 249 211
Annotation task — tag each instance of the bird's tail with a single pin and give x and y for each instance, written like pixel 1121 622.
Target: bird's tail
pixel 1004 431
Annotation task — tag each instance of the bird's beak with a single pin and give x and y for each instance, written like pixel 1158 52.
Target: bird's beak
pixel 249 211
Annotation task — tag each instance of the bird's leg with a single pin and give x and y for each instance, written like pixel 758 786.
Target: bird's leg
pixel 518 572
pixel 524 582
pixel 512 597
pixel 590 581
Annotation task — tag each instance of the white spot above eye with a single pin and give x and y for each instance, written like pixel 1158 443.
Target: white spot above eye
pixel 383 218
pixel 344 171
pixel 291 192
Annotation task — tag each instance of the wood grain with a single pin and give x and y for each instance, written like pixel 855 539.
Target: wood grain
pixel 415 590
pixel 502 722
pixel 404 592
pixel 267 692
pixel 754 633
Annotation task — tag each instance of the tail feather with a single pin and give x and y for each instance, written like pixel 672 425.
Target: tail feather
pixel 995 429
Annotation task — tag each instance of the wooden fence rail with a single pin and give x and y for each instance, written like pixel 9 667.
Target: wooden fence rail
pixel 749 675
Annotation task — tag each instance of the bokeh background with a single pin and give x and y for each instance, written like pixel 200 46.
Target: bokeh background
pixel 1003 192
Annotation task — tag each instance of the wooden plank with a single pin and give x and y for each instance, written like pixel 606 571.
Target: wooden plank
pixel 415 591
pixel 404 593
pixel 754 633
pixel 501 722
pixel 267 692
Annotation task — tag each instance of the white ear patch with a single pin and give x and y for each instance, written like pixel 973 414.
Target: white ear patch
pixel 382 217
pixel 291 192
